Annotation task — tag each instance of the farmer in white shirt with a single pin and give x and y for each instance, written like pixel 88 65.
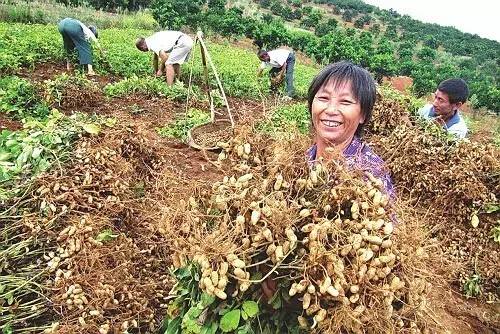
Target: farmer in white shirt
pixel 171 49
pixel 450 95
pixel 282 62
pixel 77 35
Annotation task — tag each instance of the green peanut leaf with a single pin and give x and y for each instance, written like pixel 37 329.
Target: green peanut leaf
pixel 10 298
pixel 174 326
pixel 251 308
pixel 36 152
pixel 230 321
pixel 106 235
pixel 93 129
pixel 209 328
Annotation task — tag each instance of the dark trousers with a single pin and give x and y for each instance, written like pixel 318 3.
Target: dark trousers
pixel 73 37
pixel 290 64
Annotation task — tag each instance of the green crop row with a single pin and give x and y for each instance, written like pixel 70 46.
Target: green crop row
pixel 27 45
pixel 150 87
pixel 285 118
pixel 19 99
pixel 237 69
pixel 180 127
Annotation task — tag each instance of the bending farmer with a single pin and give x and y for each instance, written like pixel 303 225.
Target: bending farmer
pixel 282 62
pixel 450 95
pixel 171 49
pixel 77 35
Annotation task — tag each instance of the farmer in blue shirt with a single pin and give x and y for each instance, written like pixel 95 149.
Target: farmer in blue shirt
pixel 450 95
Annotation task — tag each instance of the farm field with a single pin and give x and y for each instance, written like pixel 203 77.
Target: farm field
pixel 110 222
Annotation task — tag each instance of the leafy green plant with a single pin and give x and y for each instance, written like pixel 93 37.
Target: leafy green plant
pixel 473 101
pixel 491 207
pixel 136 109
pixel 7 329
pixel 195 312
pixel 180 127
pixel 23 45
pixel 147 86
pixel 26 153
pixel 122 57
pixel 106 235
pixel 19 99
pixel 495 233
pixel 472 286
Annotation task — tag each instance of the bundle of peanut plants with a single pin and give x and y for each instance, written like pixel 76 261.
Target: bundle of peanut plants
pixel 282 245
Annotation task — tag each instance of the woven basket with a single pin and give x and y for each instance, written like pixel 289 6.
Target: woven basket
pixel 194 135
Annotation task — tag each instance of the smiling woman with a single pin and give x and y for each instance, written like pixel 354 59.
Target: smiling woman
pixel 340 102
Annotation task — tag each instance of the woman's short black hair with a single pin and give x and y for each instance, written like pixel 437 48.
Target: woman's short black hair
pixel 94 31
pixel 362 86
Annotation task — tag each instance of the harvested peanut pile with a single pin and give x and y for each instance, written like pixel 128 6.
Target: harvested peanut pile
pixel 455 183
pixel 68 92
pixel 100 254
pixel 479 254
pixel 388 113
pixel 441 169
pixel 294 246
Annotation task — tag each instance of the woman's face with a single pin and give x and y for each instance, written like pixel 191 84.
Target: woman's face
pixel 336 115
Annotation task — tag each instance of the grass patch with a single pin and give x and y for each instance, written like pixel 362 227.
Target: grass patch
pixel 483 126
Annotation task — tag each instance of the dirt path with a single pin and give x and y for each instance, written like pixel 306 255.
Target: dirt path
pixel 9 124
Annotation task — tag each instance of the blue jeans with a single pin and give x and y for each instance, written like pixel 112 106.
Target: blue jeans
pixel 290 64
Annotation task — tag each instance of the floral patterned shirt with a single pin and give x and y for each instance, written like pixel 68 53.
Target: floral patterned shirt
pixel 359 156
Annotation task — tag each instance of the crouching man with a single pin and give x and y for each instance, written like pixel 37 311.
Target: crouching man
pixel 171 49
